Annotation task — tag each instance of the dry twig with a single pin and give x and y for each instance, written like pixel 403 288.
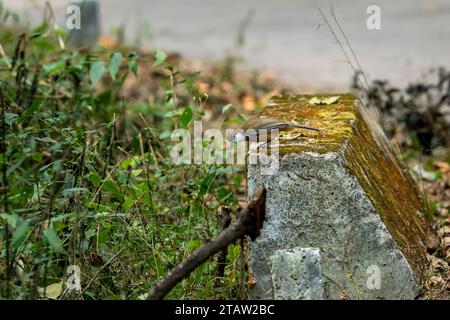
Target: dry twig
pixel 248 223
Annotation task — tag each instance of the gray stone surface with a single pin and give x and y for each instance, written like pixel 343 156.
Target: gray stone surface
pixel 313 201
pixel 90 30
pixel 296 274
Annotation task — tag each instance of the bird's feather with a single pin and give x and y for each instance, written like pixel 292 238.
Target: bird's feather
pixel 272 124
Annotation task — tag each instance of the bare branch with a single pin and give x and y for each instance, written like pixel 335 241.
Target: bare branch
pixel 248 223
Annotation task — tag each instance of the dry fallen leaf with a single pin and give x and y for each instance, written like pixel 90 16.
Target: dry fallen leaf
pixel 442 166
pixel 108 42
pixel 248 103
pixel 344 295
pixel 324 100
pixel 314 100
pixel 330 100
pixel 53 291
pixel 203 86
pixel 251 279
pixel 447 242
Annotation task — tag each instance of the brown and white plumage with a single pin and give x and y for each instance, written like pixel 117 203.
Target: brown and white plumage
pixel 266 123
pixel 271 124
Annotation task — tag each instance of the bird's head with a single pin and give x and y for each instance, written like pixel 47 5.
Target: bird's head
pixel 236 135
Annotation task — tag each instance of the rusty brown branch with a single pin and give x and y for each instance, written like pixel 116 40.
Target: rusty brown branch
pixel 248 223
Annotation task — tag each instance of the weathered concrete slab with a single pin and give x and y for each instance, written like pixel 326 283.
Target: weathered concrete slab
pixel 341 191
pixel 296 274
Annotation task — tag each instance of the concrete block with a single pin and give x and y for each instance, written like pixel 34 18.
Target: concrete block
pixel 296 274
pixel 341 191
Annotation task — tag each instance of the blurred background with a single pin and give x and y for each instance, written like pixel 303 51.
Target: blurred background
pixel 281 38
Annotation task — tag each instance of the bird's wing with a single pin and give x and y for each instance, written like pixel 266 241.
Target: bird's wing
pixel 265 123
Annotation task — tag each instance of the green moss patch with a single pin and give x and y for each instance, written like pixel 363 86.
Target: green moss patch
pixel 334 121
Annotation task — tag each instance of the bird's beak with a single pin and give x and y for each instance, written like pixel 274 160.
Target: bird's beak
pixel 239 136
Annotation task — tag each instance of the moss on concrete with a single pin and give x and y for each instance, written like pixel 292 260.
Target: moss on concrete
pixel 334 121
pixel 367 157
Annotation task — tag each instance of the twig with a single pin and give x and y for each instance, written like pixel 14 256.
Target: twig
pixel 5 194
pixel 108 157
pixel 355 57
pixel 49 16
pixel 335 36
pixel 98 272
pixel 222 258
pixel 249 223
pixel 5 57
pixel 241 268
pixel 174 94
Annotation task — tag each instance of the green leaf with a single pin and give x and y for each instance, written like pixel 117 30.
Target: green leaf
pixel 127 162
pixel 97 70
pixel 109 186
pixel 19 235
pixel 10 118
pixel 224 195
pixel 46 139
pixel 40 29
pixel 15 166
pixel 114 64
pixel 90 233
pixel 54 67
pixel 122 178
pixel 53 240
pixel 11 219
pixel 226 108
pixel 232 121
pixel 174 113
pixel 132 63
pixel 197 209
pixel 94 178
pixel 69 191
pixel 34 107
pixel 6 61
pixel 205 184
pixel 193 244
pixel 160 57
pixel 186 117
pixel 165 134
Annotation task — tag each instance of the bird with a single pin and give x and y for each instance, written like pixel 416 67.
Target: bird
pixel 263 123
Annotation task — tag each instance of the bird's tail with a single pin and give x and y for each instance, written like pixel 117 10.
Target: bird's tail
pixel 303 127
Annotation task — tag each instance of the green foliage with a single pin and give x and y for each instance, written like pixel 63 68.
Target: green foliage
pixel 160 57
pixel 186 117
pixel 87 176
pixel 97 70
pixel 114 64
pixel 132 63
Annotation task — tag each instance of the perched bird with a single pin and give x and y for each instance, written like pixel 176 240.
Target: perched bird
pixel 260 123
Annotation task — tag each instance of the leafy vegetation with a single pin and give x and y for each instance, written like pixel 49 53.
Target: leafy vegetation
pixel 87 178
pixel 421 112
